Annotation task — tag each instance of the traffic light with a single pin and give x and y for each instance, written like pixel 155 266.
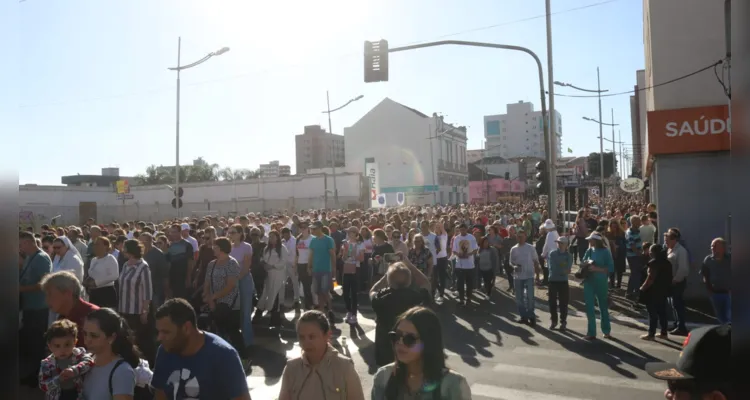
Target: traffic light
pixel 542 177
pixel 177 200
pixel 376 61
pixel 507 176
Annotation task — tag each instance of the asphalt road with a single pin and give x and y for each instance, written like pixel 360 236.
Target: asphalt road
pixel 503 359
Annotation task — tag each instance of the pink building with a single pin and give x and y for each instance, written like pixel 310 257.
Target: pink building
pixel 497 188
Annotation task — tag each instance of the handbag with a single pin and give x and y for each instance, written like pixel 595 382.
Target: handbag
pixel 222 311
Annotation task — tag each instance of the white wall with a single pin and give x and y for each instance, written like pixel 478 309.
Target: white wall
pixel 682 36
pixel 398 140
pixel 154 202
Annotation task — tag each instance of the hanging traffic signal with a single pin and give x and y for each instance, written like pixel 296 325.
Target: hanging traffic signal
pixel 507 176
pixel 543 177
pixel 376 61
pixel 177 200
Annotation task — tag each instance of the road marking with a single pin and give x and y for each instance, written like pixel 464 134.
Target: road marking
pixel 570 377
pixel 501 393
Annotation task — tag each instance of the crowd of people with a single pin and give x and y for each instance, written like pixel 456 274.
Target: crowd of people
pixel 167 309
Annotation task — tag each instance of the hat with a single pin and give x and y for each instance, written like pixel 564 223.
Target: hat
pixel 705 356
pixel 185 227
pixel 548 224
pixel 594 236
pixel 563 239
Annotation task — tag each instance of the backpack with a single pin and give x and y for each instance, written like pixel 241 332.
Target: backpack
pixel 139 393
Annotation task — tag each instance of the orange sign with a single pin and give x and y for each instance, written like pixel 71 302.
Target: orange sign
pixel 689 130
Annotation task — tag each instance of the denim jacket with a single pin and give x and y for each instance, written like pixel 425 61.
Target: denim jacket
pixel 453 386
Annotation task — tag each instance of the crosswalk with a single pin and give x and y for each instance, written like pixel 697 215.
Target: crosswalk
pixel 532 364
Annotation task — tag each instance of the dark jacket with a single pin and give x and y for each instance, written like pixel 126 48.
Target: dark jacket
pixel 388 304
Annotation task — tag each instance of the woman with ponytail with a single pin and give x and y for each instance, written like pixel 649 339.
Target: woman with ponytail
pixel 116 357
pixel 419 370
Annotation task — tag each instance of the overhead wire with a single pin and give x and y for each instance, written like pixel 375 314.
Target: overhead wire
pixel 289 66
pixel 644 88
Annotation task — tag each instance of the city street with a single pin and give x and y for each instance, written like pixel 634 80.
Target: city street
pixel 502 359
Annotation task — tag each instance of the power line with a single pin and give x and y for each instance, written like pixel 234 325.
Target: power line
pixel 290 66
pixel 645 88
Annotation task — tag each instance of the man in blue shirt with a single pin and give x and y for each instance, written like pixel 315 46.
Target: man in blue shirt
pixel 559 263
pixel 191 363
pixel 321 265
pixel 36 265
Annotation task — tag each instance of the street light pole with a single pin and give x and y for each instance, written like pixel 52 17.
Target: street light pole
pixel 601 143
pixel 177 134
pixel 179 68
pixel 614 144
pixel 551 146
pixel 333 153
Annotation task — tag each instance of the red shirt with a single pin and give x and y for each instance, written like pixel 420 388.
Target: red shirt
pixel 78 314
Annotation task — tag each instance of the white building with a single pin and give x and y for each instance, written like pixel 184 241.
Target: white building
pixel 74 205
pixel 473 156
pixel 274 170
pixel 519 132
pixel 416 154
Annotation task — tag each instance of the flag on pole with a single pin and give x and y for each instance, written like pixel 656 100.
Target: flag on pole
pixel 570 150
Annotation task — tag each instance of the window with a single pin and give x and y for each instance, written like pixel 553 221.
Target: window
pixel 492 128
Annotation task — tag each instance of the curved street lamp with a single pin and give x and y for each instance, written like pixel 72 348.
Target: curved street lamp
pixel 179 68
pixel 330 130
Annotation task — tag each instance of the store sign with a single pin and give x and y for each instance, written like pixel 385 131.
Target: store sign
pixel 632 185
pixel 123 186
pixel 371 170
pixel 689 130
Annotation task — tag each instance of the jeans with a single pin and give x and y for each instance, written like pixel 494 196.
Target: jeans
pixel 595 290
pixel 247 293
pixel 558 291
pixel 678 303
pixel 365 274
pixel 722 307
pixel 524 289
pixel 657 313
pixel 465 277
pixel 508 270
pixel 350 292
pixel 229 330
pixel 306 279
pixel 635 263
pixel 441 275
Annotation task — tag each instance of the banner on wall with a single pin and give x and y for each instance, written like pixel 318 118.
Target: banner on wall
pixel 371 170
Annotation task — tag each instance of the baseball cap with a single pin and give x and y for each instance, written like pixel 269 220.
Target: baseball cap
pixel 705 356
pixel 594 236
pixel 563 240
pixel 185 227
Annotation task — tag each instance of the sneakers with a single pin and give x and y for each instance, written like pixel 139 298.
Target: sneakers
pixel 663 335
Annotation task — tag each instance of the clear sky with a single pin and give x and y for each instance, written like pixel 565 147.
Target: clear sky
pixel 87 80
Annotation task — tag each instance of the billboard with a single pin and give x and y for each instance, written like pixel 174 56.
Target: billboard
pixel 371 170
pixel 123 187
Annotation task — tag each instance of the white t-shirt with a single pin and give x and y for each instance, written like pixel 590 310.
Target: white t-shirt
pixel 430 239
pixel 303 249
pixel 443 246
pixel 104 271
pixel 465 263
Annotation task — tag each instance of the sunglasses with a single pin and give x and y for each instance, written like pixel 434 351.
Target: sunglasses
pixel 408 339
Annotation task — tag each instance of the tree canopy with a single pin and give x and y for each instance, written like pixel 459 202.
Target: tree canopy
pixel 199 171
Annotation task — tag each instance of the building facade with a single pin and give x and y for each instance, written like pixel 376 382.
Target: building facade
pixel 638 124
pixel 419 155
pixel 274 170
pixel 519 132
pixel 473 156
pixel 73 205
pixel 687 159
pixel 316 148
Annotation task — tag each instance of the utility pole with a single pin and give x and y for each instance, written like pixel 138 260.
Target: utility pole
pixel 614 145
pixel 177 134
pixel 552 139
pixel 601 143
pixel 333 153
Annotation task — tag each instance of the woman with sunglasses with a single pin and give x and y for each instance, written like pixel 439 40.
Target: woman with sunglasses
pixel 419 371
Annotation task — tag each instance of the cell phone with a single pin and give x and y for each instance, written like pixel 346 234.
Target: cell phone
pixel 391 258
